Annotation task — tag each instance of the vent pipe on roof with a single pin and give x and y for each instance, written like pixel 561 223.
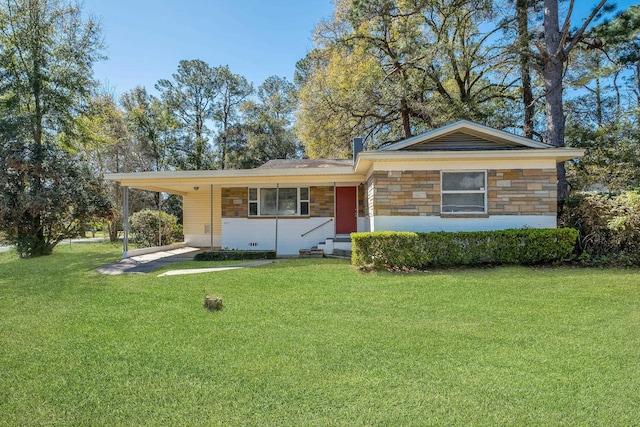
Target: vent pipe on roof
pixel 357 147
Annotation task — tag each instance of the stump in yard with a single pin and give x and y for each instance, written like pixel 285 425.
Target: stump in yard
pixel 213 302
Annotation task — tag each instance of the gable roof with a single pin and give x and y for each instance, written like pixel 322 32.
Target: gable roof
pixel 465 136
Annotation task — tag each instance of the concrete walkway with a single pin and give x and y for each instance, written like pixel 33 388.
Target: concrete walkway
pixel 153 261
pixel 149 262
pixel 214 269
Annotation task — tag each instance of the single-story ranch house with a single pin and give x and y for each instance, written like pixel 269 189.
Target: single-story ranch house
pixel 463 176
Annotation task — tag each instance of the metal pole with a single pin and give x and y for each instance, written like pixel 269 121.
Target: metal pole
pixel 211 216
pixel 277 208
pixel 125 223
pixel 159 219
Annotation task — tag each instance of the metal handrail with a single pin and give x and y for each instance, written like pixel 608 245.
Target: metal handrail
pixel 316 227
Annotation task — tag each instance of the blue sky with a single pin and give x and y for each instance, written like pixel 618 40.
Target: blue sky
pixel 146 39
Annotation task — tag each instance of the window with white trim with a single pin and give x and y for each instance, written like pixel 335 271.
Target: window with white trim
pixel 464 192
pixel 291 201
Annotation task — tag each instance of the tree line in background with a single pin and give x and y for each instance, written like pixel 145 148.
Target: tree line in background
pixel 204 118
pixel 382 69
pixel 391 69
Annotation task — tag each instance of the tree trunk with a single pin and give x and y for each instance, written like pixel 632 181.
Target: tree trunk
pixel 553 74
pixel 522 16
pixel 599 108
pixel 406 124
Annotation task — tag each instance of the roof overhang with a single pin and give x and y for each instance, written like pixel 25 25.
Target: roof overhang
pixel 366 159
pixel 183 182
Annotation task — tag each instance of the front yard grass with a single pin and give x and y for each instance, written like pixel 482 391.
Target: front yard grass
pixel 315 342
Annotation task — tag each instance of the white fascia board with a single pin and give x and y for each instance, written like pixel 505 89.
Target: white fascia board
pixel 366 158
pixel 227 174
pixel 184 182
pixel 465 124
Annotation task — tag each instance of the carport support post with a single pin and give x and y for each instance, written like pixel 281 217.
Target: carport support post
pixel 211 216
pixel 125 223
pixel 277 208
pixel 159 218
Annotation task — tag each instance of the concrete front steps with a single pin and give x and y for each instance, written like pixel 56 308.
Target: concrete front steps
pixel 339 246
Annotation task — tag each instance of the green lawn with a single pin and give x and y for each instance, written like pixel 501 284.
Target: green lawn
pixel 315 342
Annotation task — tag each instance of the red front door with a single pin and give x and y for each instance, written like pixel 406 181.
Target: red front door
pixel 346 210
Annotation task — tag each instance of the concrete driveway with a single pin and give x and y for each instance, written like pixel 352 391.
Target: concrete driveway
pixel 149 262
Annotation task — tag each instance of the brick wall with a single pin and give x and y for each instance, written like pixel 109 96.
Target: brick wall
pixel 417 193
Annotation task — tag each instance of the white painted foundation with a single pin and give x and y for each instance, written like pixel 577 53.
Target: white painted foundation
pixel 260 233
pixel 436 223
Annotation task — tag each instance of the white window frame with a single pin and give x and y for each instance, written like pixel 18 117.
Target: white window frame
pixel 299 201
pixel 481 191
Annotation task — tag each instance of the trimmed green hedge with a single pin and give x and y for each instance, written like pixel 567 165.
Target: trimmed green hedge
pixel 408 250
pixel 234 255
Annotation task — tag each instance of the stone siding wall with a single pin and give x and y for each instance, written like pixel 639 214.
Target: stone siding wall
pixel 235 202
pixel 370 189
pixel 417 193
pixel 321 201
pixel 522 191
pixel 396 193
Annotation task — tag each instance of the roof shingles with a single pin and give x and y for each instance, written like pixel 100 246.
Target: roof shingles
pixel 305 163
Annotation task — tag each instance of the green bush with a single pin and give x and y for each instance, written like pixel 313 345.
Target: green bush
pixel 178 233
pixel 408 250
pixel 227 255
pixel 608 226
pixel 144 228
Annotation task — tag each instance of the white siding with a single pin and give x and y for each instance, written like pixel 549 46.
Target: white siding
pixel 260 233
pixel 436 223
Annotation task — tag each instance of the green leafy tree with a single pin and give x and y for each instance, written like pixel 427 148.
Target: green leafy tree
pixel 517 18
pixel 46 54
pixel 620 40
pixel 152 127
pixel 109 143
pixel 68 197
pixel 603 116
pixel 553 53
pixel 389 69
pixel 190 97
pixel 269 124
pixel 234 91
